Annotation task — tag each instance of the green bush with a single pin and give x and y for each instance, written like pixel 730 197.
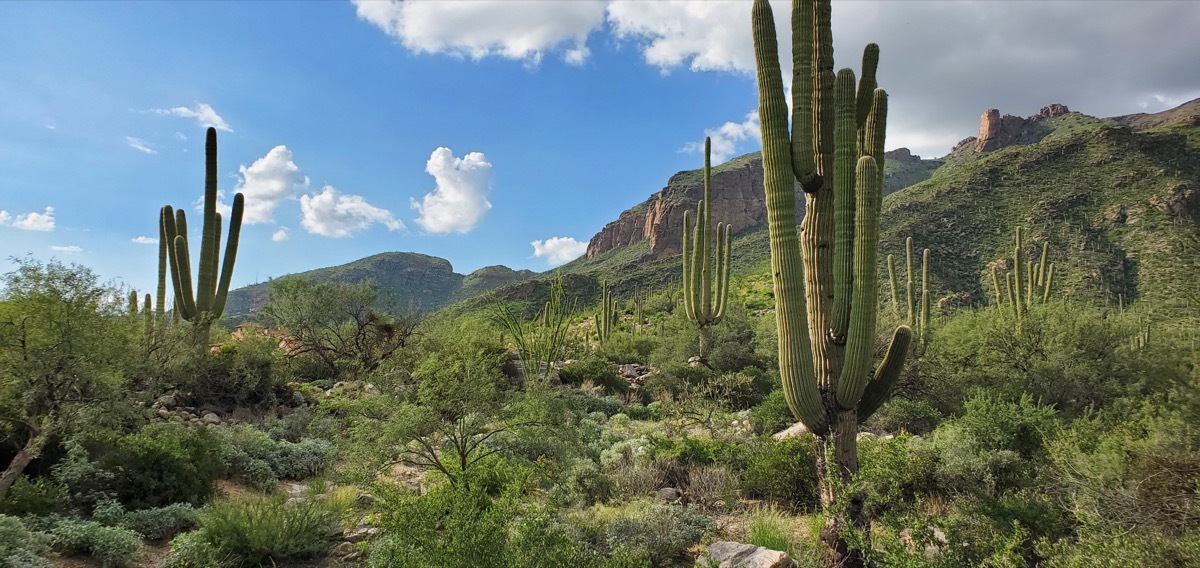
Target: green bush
pixel 161 464
pixel 153 524
pixel 995 446
pixel 661 532
pixel 1122 549
pixel 783 472
pixel 245 450
pixel 445 528
pixel 896 473
pixel 769 528
pixel 38 498
pixel 257 530
pixel 112 547
pixel 772 414
pixel 192 550
pixel 597 371
pixel 622 348
pixel 240 374
pixel 20 547
pixel 904 415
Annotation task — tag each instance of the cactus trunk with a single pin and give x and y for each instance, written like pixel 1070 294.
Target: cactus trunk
pixel 705 275
pixel 825 278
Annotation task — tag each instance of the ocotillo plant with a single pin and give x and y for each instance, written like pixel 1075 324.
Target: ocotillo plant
pixel 1028 283
pixel 203 305
pixel 825 279
pixel 607 315
pixel 704 303
pixel 917 319
pixel 542 341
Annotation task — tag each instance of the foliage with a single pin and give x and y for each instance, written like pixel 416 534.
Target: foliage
pixel 654 530
pixel 260 529
pixel 112 547
pixel 161 464
pixel 20 547
pixel 152 524
pixel 261 461
pixel 595 371
pixel 771 528
pixel 192 550
pixel 340 325
pixel 38 497
pixel 543 340
pixel 783 472
pixel 994 447
pixel 771 414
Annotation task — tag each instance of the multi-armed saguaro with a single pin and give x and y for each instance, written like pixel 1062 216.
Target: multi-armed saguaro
pixel 705 305
pixel 1028 283
pixel 608 313
pixel 825 278
pixel 916 320
pixel 203 305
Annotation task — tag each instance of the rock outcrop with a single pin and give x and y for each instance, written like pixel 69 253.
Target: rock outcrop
pixel 738 200
pixel 996 132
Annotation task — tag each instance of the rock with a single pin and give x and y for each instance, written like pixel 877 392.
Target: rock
pixel 632 371
pixel 352 556
pixel 164 414
pixel 902 155
pixel 1181 201
pixel 737 555
pixel 344 548
pixel 296 500
pixel 794 431
pixel 668 494
pixel 166 401
pixel 364 499
pixel 295 489
pixel 210 418
pixel 863 435
pixel 1053 110
pixel 695 361
pixel 360 534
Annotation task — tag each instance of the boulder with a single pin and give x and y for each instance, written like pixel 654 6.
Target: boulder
pixel 360 534
pixel 210 418
pixel 794 431
pixel 669 494
pixel 738 555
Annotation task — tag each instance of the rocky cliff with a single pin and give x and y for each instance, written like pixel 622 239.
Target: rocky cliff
pixel 738 200
pixel 996 131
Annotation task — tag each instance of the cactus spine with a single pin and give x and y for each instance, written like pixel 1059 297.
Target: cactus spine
pixel 203 305
pixel 705 305
pixel 825 279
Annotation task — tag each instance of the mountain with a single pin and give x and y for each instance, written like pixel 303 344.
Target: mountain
pixel 403 278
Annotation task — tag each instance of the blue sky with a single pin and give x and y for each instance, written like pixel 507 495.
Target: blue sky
pixel 482 132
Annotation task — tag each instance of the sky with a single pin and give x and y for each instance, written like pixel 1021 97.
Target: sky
pixel 482 131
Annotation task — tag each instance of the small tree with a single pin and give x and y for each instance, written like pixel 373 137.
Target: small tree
pixel 339 325
pixel 64 347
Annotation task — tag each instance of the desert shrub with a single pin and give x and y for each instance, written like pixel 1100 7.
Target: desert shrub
pixel 112 547
pixel 240 374
pixel 713 485
pixel 262 529
pixel 994 446
pixel 193 550
pixel 905 415
pixel 594 370
pixel 21 547
pixel 153 524
pixel 40 497
pixel 290 427
pixel 694 451
pixel 623 348
pixel 661 532
pixel 161 464
pixel 583 483
pixel 243 447
pixel 771 414
pixel 783 472
pixel 1139 548
pixel 896 473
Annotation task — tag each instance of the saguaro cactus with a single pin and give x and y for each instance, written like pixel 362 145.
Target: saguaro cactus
pixel 917 319
pixel 204 304
pixel 1029 282
pixel 607 315
pixel 704 303
pixel 825 279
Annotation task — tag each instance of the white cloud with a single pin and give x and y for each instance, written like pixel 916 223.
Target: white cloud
pixel 281 234
pixel 512 29
pixel 139 145
pixel 32 221
pixel 332 214
pixel 706 36
pixel 725 138
pixel 558 250
pixel 144 240
pixel 202 112
pixel 270 180
pixel 460 200
pixel 181 136
pixel 71 249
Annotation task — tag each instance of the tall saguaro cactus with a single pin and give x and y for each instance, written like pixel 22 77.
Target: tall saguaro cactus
pixel 917 317
pixel 1028 283
pixel 608 313
pixel 825 278
pixel 203 304
pixel 704 303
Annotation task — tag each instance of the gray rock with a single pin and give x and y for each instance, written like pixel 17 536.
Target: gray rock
pixel 344 548
pixel 738 555
pixel 166 401
pixel 794 431
pixel 668 494
pixel 360 534
pixel 211 418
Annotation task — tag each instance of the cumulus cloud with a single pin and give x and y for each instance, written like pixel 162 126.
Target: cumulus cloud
pixel 144 240
pixel 705 36
pixel 558 250
pixel 460 200
pixel 333 214
pixel 269 181
pixel 139 145
pixel 202 112
pixel 726 138
pixel 513 29
pixel 71 249
pixel 281 234
pixel 32 221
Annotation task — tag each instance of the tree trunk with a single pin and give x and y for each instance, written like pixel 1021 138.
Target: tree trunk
pixel 840 505
pixel 30 452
